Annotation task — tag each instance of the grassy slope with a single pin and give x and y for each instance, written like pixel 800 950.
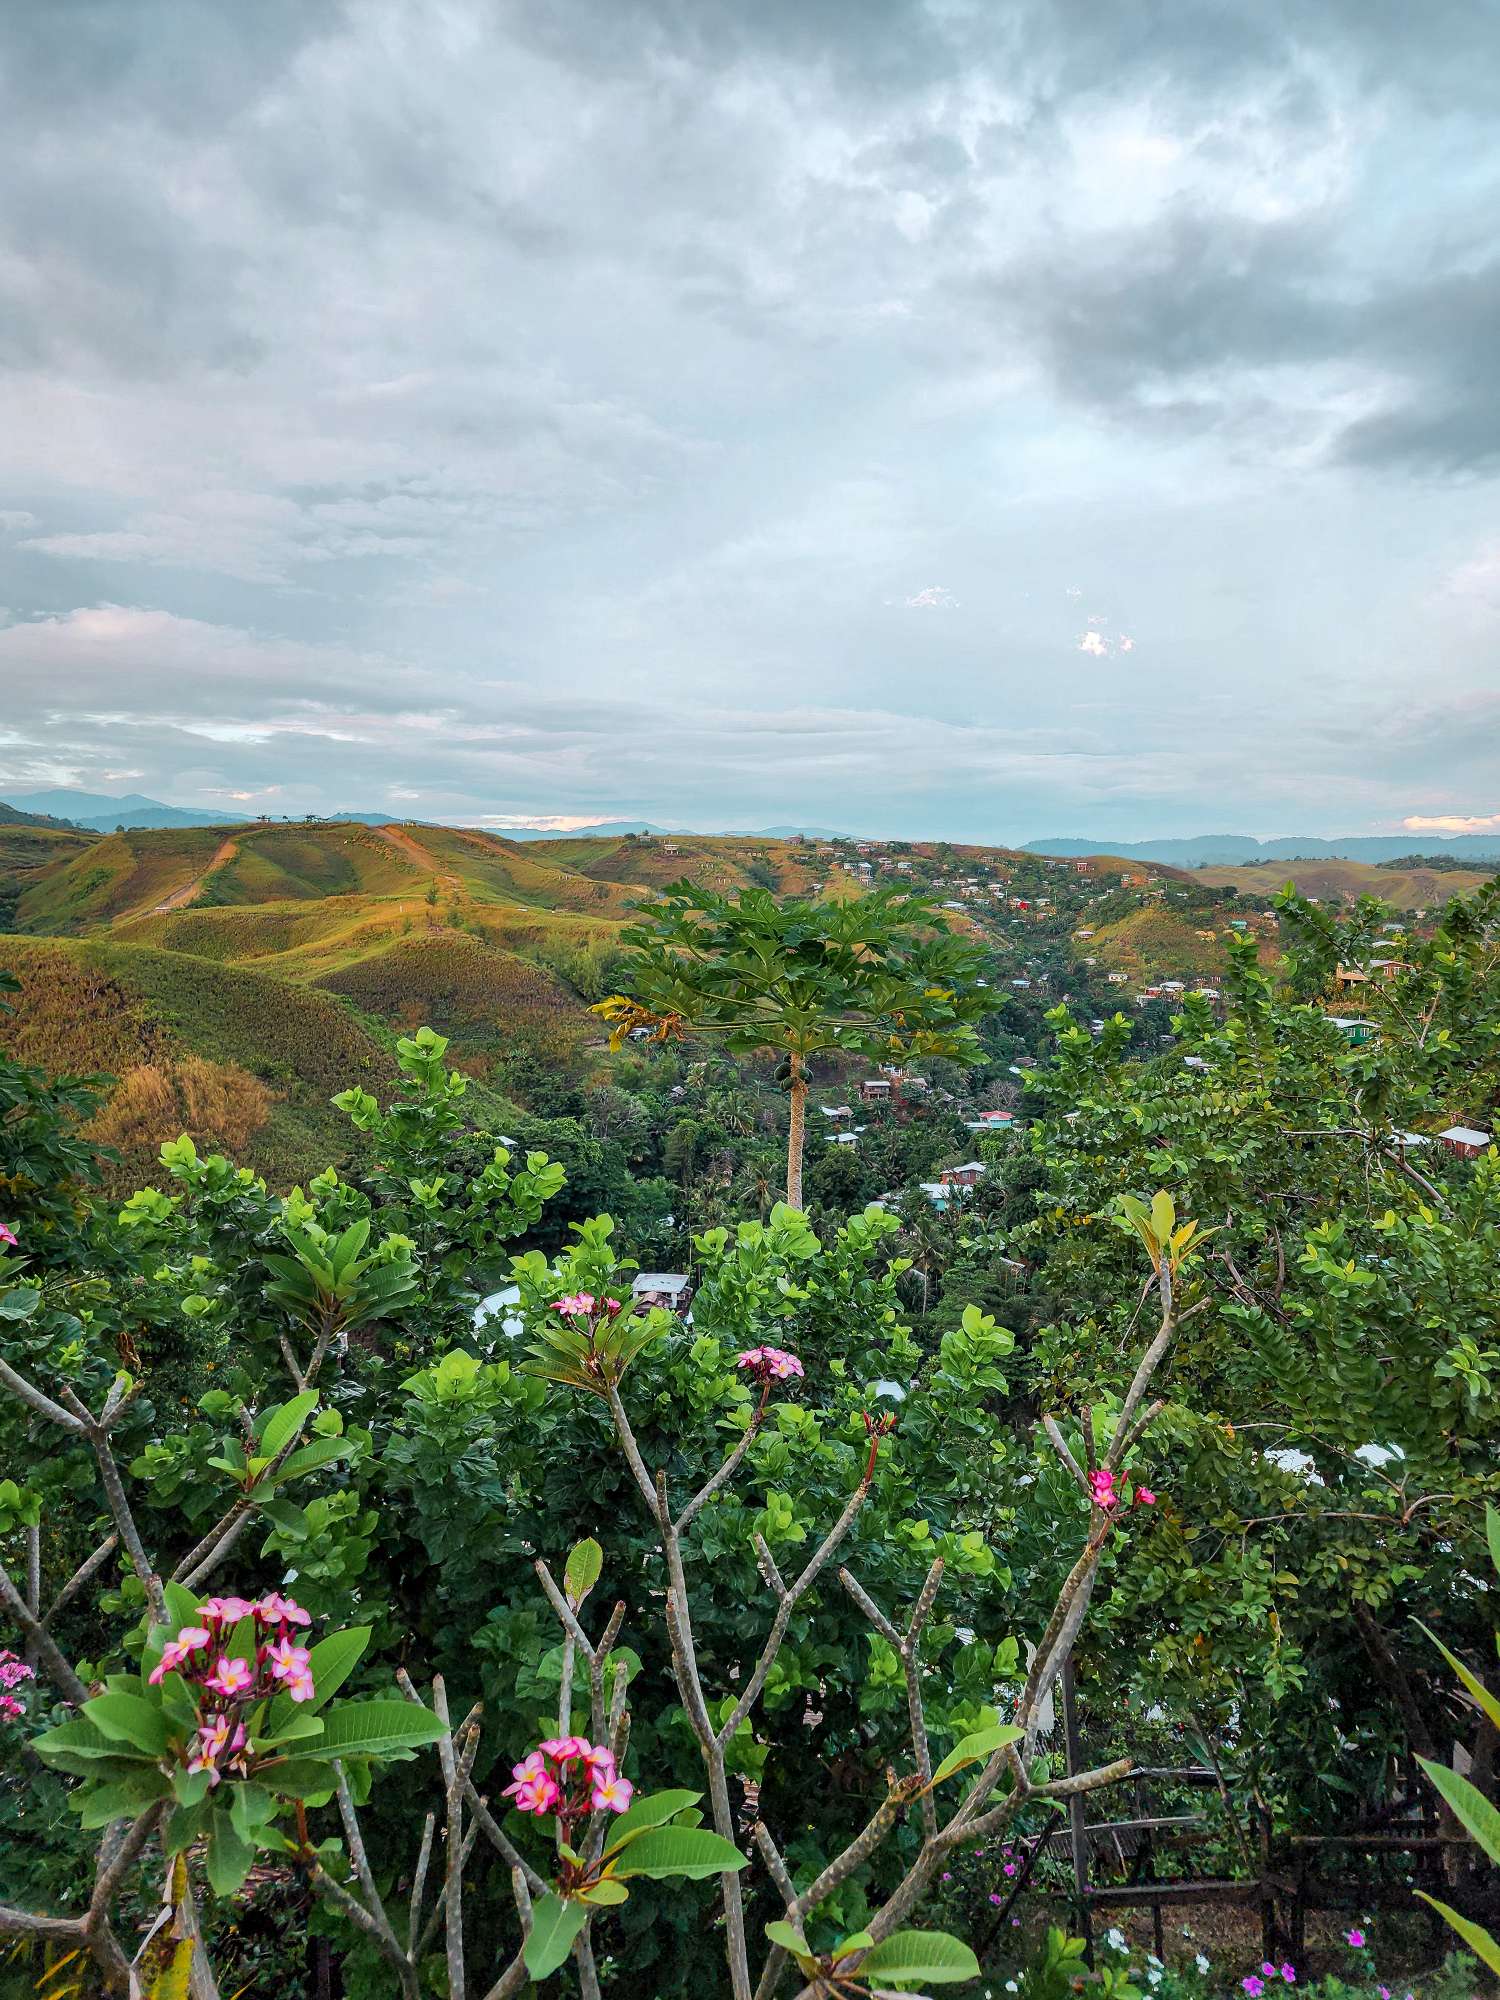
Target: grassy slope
pixel 1405 889
pixel 1156 943
pixel 179 1030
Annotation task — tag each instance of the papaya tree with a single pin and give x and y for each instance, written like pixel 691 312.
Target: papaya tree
pixel 880 976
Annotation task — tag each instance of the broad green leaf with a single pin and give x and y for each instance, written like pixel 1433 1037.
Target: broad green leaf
pixel 187 1824
pixel 1472 1807
pixel 781 1932
pixel 554 1925
pixel 585 1567
pixel 296 1727
pixel 1492 1534
pixel 679 1850
pixel 653 1810
pixel 1476 1687
pixel 1475 1936
pixel 299 1778
pixel 229 1857
pixel 123 1799
pixel 283 1424
pixel 931 1957
pixel 129 1718
pixel 856 1941
pixel 78 1747
pixel 977 1748
pixel 309 1457
pixel 333 1659
pixel 606 1891
pixel 375 1729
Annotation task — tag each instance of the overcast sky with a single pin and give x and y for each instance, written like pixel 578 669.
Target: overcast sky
pixel 973 417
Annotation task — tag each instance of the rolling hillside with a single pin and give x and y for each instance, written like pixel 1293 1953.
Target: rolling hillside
pixel 233 978
pixel 1338 881
pixel 239 1060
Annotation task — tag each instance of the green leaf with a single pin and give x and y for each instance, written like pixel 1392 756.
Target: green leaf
pixel 299 1778
pixel 1476 1687
pixel 78 1747
pixel 554 1925
pixel 129 1718
pixel 605 1891
pixel 781 1932
pixel 187 1824
pixel 282 1424
pixel 309 1457
pixel 296 1727
pixel 376 1729
pixel 229 1857
pixel 679 1850
pixel 856 1941
pixel 585 1567
pixel 333 1659
pixel 1475 1936
pixel 1492 1534
pixel 101 1805
pixel 1472 1807
pixel 652 1810
pixel 933 1957
pixel 977 1748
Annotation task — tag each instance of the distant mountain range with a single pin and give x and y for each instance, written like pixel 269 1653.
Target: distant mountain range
pixel 102 812
pixel 1233 850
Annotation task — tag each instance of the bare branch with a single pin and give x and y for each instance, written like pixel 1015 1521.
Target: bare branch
pixel 85 1571
pixel 42 1642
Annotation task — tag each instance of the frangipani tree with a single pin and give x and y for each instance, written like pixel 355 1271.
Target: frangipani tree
pixel 879 976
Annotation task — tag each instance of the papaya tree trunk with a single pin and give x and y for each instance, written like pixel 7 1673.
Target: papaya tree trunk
pixel 795 1134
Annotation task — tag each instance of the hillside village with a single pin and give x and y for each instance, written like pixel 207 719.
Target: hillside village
pixel 224 974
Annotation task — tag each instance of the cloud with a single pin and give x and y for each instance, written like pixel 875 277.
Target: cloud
pixel 382 382
pixel 1094 643
pixel 1452 822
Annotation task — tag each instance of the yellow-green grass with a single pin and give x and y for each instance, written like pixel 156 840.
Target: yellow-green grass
pixel 1155 943
pixel 481 995
pixel 1335 881
pixel 259 1056
pixel 116 876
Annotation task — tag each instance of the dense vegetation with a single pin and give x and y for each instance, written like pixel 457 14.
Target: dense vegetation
pixel 1196 1389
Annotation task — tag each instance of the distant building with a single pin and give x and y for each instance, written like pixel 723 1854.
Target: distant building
pixel 671 1289
pixel 876 1089
pixel 1354 1031
pixel 965 1176
pixel 1465 1140
pixel 835 1110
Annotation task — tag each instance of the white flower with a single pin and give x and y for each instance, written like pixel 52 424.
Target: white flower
pixel 1201 1962
pixel 1115 1939
pixel 1011 1986
pixel 1153 1977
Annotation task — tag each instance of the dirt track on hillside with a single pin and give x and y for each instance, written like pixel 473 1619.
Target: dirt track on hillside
pixel 190 891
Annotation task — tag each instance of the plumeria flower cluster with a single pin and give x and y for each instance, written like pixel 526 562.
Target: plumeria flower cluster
pixel 1114 1498
pixel 583 1305
pixel 14 1673
pixel 570 1778
pixel 223 1682
pixel 770 1364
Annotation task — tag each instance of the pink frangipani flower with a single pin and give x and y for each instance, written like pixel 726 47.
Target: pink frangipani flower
pixel 14 1670
pixel 9 1237
pixel 575 1304
pixel 231 1677
pixel 1144 1497
pixel 1102 1488
pixel 611 1794
pixel 10 1708
pixel 227 1610
pixel 274 1609
pixel 177 1652
pixel 770 1363
pixel 1355 1938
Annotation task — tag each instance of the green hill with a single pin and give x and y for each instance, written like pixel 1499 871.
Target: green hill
pixel 239 1059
